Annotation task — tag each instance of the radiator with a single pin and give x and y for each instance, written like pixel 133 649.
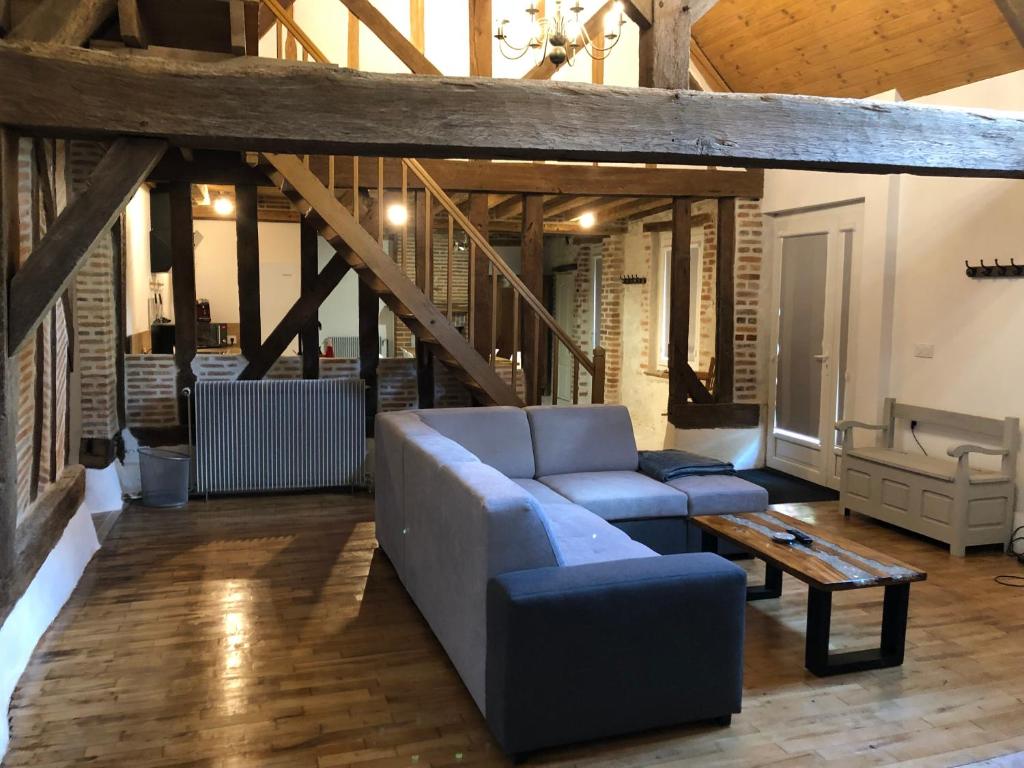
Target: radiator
pixel 279 435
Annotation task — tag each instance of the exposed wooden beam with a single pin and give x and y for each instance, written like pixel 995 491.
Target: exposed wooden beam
pixel 594 26
pixel 396 42
pixel 183 288
pixel 5 17
pixel 480 38
pixel 9 248
pixel 640 11
pixel 699 8
pixel 665 46
pixel 59 255
pixel 64 22
pixel 637 209
pixel 696 220
pixel 296 317
pixel 559 228
pixel 481 311
pixel 250 334
pixel 306 108
pixel 417 32
pixel 532 274
pixel 267 18
pixel 509 209
pixel 309 334
pixel 683 383
pixel 1013 10
pixel 706 70
pixel 725 293
pixel 509 179
pixel 133 28
pixel 236 21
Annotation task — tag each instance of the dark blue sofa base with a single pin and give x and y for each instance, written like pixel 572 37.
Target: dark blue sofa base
pixel 671 536
pixel 587 652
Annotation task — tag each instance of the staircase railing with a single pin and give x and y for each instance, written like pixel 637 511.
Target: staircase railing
pixel 528 312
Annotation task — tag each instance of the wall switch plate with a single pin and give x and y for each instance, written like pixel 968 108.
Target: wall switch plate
pixel 926 351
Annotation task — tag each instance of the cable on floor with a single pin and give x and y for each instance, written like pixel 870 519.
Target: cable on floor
pixel 1008 580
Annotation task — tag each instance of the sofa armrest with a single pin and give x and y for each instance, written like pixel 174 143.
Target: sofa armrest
pixel 589 651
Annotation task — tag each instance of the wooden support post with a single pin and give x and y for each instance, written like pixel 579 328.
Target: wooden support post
pixel 480 36
pixel 482 308
pixel 9 248
pixel 725 290
pixel 133 29
pixel 369 333
pixel 309 336
pixel 183 280
pixel 665 47
pixel 597 387
pixel 683 383
pixel 422 236
pixel 250 335
pixel 533 277
pixel 424 375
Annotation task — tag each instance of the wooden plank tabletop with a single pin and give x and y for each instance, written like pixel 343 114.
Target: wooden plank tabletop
pixel 831 563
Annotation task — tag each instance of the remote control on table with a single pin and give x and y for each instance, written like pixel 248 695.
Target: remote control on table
pixel 800 536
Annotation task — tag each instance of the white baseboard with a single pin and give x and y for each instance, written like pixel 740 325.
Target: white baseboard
pixel 39 606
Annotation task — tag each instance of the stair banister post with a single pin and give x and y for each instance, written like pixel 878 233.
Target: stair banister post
pixel 597 386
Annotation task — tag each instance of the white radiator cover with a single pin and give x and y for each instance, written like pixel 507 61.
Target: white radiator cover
pixel 276 435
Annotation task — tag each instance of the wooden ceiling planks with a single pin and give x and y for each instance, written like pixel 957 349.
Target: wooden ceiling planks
pixel 857 49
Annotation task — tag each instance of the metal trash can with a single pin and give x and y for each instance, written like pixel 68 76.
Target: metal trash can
pixel 165 477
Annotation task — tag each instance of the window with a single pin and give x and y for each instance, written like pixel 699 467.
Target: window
pixel 664 305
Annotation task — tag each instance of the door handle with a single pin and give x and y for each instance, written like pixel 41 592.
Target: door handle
pixel 820 358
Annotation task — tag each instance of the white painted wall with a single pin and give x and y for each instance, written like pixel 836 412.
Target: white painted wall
pixel 910 288
pixel 137 274
pixel 38 607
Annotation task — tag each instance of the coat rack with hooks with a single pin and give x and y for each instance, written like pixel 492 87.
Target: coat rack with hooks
pixel 633 280
pixel 1013 269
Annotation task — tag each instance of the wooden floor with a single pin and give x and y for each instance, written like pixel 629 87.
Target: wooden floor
pixel 270 633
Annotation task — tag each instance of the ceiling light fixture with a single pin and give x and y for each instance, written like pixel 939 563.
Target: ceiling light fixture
pixel 397 214
pixel 223 206
pixel 588 220
pixel 559 38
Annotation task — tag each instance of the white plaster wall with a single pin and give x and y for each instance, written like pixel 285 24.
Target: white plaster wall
pixel 38 607
pixel 137 266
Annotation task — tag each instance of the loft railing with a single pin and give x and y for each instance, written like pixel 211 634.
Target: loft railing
pixel 529 317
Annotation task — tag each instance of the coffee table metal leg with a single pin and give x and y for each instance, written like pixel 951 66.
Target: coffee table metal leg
pixel 894 633
pixel 772 587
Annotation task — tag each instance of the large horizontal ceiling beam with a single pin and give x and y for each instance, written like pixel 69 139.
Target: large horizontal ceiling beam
pixel 307 108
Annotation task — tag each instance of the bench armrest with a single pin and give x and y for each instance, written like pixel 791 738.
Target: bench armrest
pixel 589 651
pixel 844 426
pixel 963 450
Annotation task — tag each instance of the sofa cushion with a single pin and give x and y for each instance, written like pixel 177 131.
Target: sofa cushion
pixel 582 438
pixel 580 537
pixel 498 436
pixel 541 492
pixel 721 494
pixel 619 495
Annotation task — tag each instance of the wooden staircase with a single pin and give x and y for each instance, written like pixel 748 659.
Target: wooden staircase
pixel 376 268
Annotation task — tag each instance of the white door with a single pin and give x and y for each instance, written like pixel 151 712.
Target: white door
pixel 813 253
pixel 565 298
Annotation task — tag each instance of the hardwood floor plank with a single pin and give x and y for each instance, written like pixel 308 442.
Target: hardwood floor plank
pixel 271 632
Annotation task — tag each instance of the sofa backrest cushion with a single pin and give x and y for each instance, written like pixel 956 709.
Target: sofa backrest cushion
pixel 499 436
pixel 582 438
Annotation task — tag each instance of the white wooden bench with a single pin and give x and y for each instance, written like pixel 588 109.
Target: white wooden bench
pixel 942 497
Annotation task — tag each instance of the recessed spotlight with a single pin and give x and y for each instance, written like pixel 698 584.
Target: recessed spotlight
pixel 397 214
pixel 587 220
pixel 223 206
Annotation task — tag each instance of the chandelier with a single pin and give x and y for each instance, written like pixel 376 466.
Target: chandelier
pixel 559 38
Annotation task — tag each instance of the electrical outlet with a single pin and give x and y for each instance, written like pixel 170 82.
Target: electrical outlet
pixel 926 351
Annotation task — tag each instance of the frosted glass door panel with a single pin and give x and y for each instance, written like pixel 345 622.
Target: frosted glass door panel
pixel 801 331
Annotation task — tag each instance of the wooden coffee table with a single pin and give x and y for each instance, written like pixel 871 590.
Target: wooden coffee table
pixel 830 564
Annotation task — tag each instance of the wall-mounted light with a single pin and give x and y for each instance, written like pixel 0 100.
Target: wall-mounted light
pixel 397 214
pixel 588 220
pixel 223 206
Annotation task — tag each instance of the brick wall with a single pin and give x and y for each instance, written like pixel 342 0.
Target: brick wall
pixel 52 374
pixel 96 323
pixel 749 384
pixel 150 382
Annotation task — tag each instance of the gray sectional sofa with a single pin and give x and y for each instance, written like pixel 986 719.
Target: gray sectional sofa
pixel 562 583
